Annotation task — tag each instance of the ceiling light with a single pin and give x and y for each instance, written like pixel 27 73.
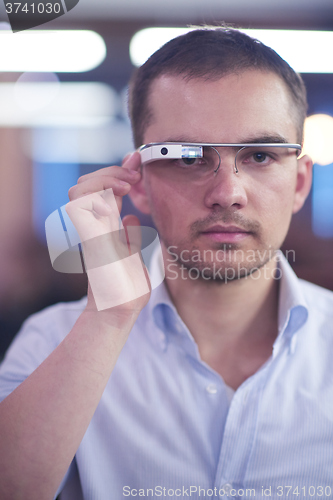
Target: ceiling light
pixel 55 104
pixel 100 145
pixel 63 51
pixel 305 51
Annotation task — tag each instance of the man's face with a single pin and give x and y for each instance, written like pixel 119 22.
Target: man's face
pixel 244 212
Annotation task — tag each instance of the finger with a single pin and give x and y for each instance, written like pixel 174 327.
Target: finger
pixel 101 205
pixel 94 214
pixel 126 157
pixel 113 171
pixel 133 233
pixel 98 184
pixel 132 162
pixel 134 237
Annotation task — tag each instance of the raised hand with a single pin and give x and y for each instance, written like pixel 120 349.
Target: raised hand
pixel 116 273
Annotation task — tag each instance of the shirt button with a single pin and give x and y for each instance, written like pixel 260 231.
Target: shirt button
pixel 227 488
pixel 211 388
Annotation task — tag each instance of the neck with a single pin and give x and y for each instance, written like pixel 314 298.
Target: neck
pixel 236 316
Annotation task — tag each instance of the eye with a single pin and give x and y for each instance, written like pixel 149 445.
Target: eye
pixel 189 161
pixel 252 157
pixel 259 157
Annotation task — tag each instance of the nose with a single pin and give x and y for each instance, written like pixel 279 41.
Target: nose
pixel 227 188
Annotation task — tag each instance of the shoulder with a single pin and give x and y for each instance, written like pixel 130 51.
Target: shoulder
pixel 312 290
pixel 56 320
pixel 39 335
pixel 61 315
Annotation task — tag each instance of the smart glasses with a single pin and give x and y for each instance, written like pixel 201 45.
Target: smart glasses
pixel 203 160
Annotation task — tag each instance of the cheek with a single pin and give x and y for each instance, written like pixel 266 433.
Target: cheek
pixel 168 205
pixel 275 205
pixel 184 191
pixel 166 194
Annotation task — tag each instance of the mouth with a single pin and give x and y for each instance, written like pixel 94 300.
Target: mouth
pixel 225 234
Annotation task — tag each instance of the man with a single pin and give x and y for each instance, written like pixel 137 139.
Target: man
pixel 224 385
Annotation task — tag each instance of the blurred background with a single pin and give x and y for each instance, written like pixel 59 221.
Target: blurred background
pixel 63 113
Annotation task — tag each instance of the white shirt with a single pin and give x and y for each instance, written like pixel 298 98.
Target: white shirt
pixel 164 426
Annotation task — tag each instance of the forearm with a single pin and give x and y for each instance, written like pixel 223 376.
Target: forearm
pixel 43 421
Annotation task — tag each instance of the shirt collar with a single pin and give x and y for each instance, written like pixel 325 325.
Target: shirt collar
pixel 292 312
pixel 164 312
pixel 293 308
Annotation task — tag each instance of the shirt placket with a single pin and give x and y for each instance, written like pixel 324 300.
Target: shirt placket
pixel 238 438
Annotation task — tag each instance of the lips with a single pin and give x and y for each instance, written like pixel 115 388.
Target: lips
pixel 225 234
pixel 225 229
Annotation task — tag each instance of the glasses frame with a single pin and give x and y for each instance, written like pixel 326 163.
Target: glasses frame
pixel 153 150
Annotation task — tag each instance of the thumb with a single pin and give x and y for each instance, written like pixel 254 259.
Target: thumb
pixel 132 228
pixel 133 233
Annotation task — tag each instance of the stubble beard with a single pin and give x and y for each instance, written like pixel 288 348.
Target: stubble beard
pixel 223 262
pixel 224 267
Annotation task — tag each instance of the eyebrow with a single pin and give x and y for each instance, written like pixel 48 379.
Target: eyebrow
pixel 273 139
pixel 278 139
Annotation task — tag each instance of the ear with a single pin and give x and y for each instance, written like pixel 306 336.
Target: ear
pixel 139 196
pixel 303 181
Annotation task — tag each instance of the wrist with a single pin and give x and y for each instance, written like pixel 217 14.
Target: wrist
pixel 118 319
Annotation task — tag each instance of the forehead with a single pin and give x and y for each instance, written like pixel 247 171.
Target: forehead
pixel 230 109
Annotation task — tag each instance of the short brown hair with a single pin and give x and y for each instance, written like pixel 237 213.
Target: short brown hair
pixel 210 53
